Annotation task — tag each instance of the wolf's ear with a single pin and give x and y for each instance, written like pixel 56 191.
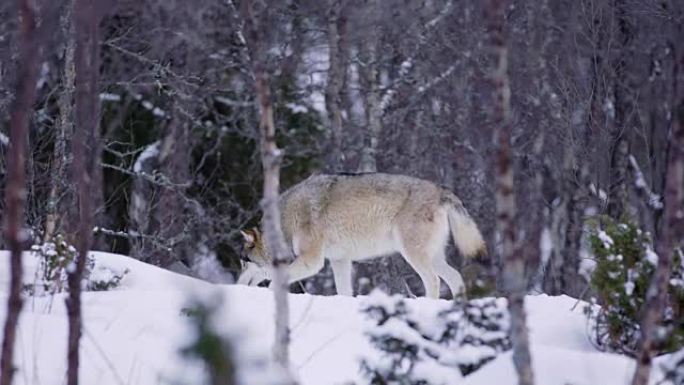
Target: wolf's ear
pixel 249 235
pixel 256 233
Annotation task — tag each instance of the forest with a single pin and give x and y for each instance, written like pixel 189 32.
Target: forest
pixel 162 130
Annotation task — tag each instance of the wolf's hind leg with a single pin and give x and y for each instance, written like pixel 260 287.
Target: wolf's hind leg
pixel 450 275
pixel 419 240
pixel 342 271
pixel 420 262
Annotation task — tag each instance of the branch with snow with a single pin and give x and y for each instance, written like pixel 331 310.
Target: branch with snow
pixel 407 65
pixel 651 199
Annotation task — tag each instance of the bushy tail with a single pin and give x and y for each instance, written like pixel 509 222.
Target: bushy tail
pixel 466 235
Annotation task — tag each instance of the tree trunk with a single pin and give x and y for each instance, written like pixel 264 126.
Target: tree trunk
pixel 669 237
pixel 59 201
pixel 335 84
pixel 513 259
pixel 271 157
pixel 16 189
pixel 617 190
pixel 368 162
pixel 84 146
pixel 168 221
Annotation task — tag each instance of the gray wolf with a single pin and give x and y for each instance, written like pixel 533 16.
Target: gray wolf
pixel 351 217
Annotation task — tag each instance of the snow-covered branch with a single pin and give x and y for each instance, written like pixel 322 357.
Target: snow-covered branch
pixel 407 65
pixel 652 199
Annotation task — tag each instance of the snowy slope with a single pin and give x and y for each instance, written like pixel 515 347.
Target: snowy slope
pixel 133 334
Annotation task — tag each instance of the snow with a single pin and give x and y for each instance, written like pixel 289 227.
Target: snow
pixel 133 334
pixel 297 108
pixel 651 257
pixel 606 239
pixel 110 97
pixel 653 200
pixel 150 151
pixel 587 267
pixel 545 246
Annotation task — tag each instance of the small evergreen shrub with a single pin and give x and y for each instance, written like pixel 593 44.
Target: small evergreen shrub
pixel 625 263
pixel 104 279
pixel 221 353
pixel 55 258
pixel 208 346
pixel 419 348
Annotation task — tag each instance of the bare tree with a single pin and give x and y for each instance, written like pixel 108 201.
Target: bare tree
pixel 16 190
pixel 86 56
pixel 271 157
pixel 513 258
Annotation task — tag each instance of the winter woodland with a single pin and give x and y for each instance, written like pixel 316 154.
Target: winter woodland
pixel 138 138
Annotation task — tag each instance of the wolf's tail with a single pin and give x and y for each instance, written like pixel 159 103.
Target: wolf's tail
pixel 466 235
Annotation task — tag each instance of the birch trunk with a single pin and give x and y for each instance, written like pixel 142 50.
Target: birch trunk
pixel 16 190
pixel 513 259
pixel 271 157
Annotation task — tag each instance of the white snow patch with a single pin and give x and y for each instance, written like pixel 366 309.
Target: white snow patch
pixel 158 112
pixel 297 108
pixel 586 268
pixel 110 97
pixel 150 152
pixel 651 257
pixel 43 75
pixel 132 335
pixel 545 246
pixel 606 239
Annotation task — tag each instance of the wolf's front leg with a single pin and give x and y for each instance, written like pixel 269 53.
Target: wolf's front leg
pixel 302 268
pixel 342 271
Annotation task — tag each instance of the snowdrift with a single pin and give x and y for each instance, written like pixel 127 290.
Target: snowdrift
pixel 133 334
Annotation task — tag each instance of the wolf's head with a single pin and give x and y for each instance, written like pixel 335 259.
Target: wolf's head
pixel 253 248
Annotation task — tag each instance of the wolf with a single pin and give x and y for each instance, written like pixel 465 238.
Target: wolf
pixel 352 217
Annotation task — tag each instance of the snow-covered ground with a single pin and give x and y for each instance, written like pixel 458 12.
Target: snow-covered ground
pixel 133 334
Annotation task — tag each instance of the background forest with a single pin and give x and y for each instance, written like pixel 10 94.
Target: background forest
pixel 399 87
pixel 560 124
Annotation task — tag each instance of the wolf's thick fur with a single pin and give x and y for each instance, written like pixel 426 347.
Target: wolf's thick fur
pixel 347 218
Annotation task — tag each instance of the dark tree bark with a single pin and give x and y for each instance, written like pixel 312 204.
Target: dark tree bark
pixel 86 21
pixel 513 258
pixel 59 198
pixel 16 190
pixel 669 237
pixel 617 190
pixel 336 76
pixel 371 138
pixel 167 219
pixel 271 157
